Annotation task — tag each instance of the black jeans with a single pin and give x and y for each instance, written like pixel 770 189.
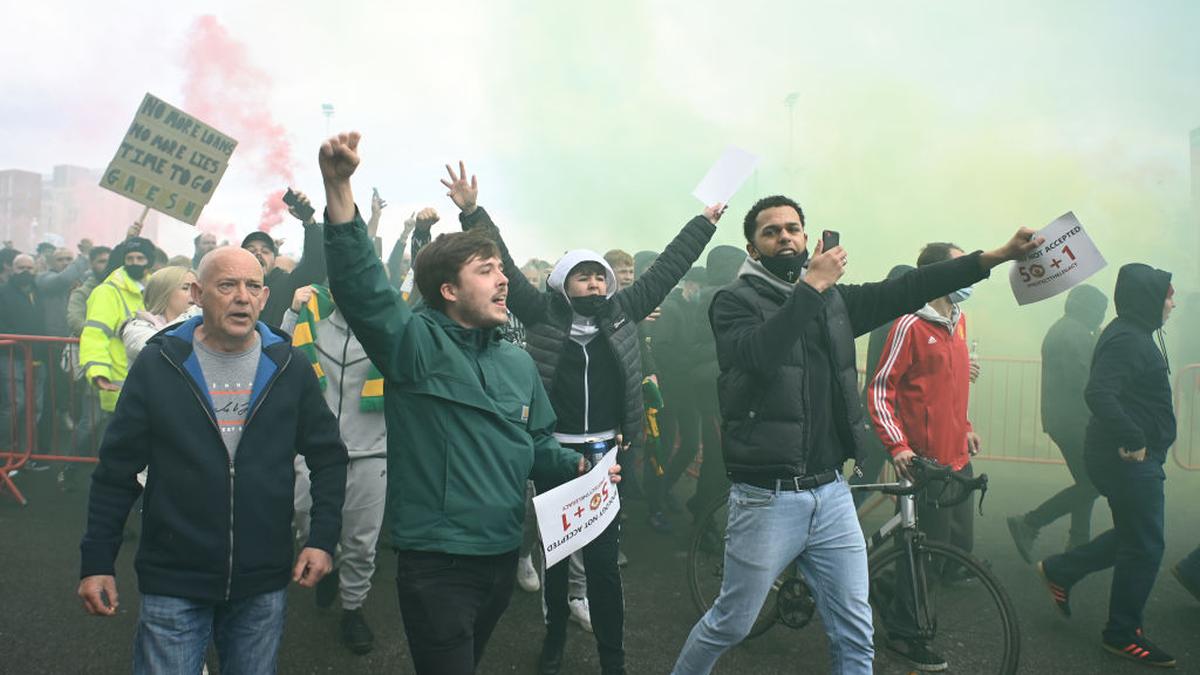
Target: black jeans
pixel 1133 548
pixel 605 599
pixel 450 605
pixel 955 526
pixel 1076 500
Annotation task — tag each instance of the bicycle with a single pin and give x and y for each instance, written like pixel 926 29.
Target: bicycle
pixel 953 600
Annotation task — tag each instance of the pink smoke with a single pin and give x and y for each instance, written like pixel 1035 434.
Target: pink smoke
pixel 224 89
pixel 272 211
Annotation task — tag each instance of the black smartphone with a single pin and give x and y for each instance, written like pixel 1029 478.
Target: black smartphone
pixel 829 239
pixel 303 211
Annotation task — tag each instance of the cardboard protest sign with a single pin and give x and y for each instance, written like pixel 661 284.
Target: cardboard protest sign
pixel 725 177
pixel 1066 259
pixel 574 513
pixel 169 161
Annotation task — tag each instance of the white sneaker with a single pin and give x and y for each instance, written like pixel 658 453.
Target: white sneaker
pixel 581 613
pixel 527 576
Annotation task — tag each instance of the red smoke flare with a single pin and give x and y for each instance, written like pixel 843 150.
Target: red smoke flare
pixel 224 89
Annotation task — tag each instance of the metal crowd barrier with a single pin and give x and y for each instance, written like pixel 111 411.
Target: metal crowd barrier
pixel 46 427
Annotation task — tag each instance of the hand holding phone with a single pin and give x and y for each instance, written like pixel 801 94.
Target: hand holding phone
pixel 301 209
pixel 830 239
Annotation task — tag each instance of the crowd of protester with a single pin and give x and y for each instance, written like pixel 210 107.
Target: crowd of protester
pixel 444 385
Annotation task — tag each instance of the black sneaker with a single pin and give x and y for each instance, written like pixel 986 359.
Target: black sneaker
pixel 1191 586
pixel 918 655
pixel 551 659
pixel 356 634
pixel 1061 595
pixel 1140 650
pixel 1023 535
pixel 327 589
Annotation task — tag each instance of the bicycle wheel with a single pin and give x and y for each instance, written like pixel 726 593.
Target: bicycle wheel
pixel 968 617
pixel 706 567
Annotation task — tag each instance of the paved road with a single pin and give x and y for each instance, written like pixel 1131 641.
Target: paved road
pixel 43 630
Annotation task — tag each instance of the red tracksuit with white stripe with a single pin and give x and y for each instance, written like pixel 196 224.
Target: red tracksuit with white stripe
pixel 918 395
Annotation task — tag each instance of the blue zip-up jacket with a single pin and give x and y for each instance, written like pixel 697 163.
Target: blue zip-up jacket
pixel 212 529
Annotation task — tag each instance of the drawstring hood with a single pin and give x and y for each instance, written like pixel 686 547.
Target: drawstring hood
pixel 1139 298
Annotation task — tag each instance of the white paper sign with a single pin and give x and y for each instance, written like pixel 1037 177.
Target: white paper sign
pixel 574 513
pixel 725 177
pixel 1066 259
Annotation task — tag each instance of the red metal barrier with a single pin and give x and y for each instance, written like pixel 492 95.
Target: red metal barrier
pixel 48 432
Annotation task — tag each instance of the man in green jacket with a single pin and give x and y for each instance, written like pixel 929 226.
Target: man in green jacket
pixel 468 423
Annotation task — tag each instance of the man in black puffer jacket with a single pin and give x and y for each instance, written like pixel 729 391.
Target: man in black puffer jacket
pixel 1066 363
pixel 1131 428
pixel 792 416
pixel 582 333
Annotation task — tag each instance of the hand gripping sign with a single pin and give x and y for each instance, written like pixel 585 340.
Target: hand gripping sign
pixel 1066 259
pixel 574 513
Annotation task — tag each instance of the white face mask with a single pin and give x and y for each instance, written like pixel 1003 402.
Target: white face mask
pixel 960 295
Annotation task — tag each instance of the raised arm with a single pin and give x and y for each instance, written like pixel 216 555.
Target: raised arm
pixel 527 303
pixel 374 310
pixel 648 292
pixel 311 267
pixel 874 304
pixel 61 282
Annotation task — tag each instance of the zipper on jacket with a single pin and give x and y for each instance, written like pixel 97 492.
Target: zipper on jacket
pixel 587 402
pixel 229 463
pixel 262 397
pixel 229 577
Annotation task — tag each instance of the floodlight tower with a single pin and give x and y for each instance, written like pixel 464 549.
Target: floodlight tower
pixel 327 110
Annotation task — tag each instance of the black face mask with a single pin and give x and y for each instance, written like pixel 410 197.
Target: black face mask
pixel 23 279
pixel 135 272
pixel 785 267
pixel 587 305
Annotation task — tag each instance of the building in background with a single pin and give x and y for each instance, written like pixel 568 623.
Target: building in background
pixel 20 206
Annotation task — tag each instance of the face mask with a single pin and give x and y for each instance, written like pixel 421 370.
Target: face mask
pixel 785 267
pixel 135 272
pixel 587 305
pixel 23 279
pixel 960 295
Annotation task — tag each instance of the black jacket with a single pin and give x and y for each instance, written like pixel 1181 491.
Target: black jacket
pixel 547 316
pixel 22 313
pixel 309 270
pixel 1066 360
pixel 213 530
pixel 763 388
pixel 1129 389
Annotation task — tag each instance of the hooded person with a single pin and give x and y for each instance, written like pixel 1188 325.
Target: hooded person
pixel 1066 360
pixel 582 333
pixel 115 300
pixel 1132 426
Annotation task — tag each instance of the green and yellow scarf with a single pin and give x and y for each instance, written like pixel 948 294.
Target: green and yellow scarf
pixel 318 308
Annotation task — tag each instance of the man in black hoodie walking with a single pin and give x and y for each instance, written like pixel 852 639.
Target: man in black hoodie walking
pixel 1131 428
pixel 1066 360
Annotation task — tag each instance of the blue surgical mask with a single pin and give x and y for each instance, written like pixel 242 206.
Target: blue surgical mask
pixel 960 296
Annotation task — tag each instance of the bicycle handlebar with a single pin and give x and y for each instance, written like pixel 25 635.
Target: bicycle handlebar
pixel 928 471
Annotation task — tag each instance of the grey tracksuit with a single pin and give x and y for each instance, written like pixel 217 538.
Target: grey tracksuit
pixel 346 367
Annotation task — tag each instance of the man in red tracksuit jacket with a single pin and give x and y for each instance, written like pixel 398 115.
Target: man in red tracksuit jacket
pixel 918 396
pixel 918 403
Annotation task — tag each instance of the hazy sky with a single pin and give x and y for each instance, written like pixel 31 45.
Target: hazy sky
pixel 589 125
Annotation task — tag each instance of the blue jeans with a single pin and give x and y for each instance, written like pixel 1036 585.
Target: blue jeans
pixel 173 633
pixel 767 531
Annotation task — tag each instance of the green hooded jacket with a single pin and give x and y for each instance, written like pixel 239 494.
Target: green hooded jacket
pixel 468 420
